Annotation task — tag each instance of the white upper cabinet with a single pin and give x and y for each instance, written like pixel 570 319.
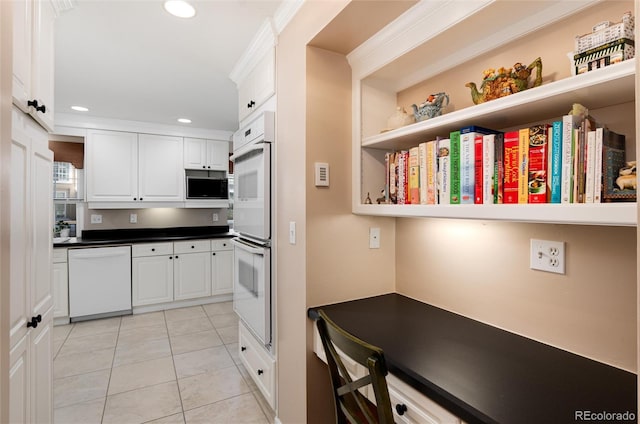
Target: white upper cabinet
pixel 258 86
pixel 210 155
pixel 130 167
pixel 33 58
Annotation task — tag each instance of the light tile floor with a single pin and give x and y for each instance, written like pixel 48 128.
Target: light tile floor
pixel 176 366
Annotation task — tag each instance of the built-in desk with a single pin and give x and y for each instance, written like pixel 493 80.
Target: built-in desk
pixel 481 373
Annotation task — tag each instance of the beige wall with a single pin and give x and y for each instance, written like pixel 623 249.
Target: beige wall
pixel 154 218
pixel 481 270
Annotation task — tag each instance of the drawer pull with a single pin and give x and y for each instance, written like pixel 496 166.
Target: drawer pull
pixel 260 372
pixel 153 249
pixel 193 247
pixel 401 408
pixel 243 348
pixel 170 257
pixel 214 253
pixel 34 321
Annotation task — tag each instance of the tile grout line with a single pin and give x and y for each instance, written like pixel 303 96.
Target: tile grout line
pixel 175 372
pixel 115 349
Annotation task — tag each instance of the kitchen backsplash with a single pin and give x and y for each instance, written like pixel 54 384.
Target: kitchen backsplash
pixel 154 218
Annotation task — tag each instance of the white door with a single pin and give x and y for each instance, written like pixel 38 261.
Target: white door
pixel 217 155
pixel 152 280
pixel 22 24
pixel 192 275
pixel 222 272
pixel 111 162
pixel 161 170
pixel 264 78
pixel 42 80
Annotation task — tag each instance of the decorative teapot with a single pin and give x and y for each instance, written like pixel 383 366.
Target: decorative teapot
pixel 431 107
pixel 503 82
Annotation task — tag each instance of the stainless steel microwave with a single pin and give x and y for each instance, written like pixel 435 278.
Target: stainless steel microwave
pixel 207 188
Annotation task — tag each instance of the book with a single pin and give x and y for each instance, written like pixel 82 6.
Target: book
pixel 597 177
pixel 422 147
pixel 402 177
pixel 468 162
pixel 511 171
pixel 414 176
pixel 488 167
pixel 444 171
pixel 555 163
pixel 616 187
pixel 538 163
pixel 569 124
pixel 478 176
pixel 523 165
pixel 393 177
pixel 586 124
pixel 454 197
pixel 589 184
pixel 498 167
pixel 387 179
pixel 432 169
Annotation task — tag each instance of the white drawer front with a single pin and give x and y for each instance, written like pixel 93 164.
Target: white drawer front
pixel 151 249
pixel 59 255
pixel 191 246
pixel 260 366
pixel 416 408
pixel 221 244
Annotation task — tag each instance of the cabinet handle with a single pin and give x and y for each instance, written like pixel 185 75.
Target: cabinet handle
pixel 170 257
pixel 141 199
pixel 214 253
pixel 209 167
pixel 34 321
pixel 252 104
pixel 33 103
pixel 193 247
pixel 224 244
pixel 153 249
pixel 203 166
pixel 176 256
pixel 243 348
pixel 260 372
pixel 401 408
pixel 135 198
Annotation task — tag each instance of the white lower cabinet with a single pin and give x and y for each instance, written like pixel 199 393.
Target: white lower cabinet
pixel 221 267
pixel 409 405
pixel 151 273
pixel 259 364
pixel 60 284
pixel 192 269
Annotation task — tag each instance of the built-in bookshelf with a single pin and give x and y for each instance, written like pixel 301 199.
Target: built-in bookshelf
pixel 380 72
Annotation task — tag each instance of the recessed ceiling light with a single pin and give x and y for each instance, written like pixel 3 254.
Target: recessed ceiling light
pixel 184 120
pixel 179 8
pixel 80 108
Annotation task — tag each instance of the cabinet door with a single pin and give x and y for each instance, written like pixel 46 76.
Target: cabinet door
pixel 195 153
pixel 22 23
pixel 245 95
pixel 111 163
pixel 161 170
pixel 60 290
pixel 152 280
pixel 19 382
pixel 41 369
pixel 42 66
pixel 222 272
pixel 217 155
pixel 192 275
pixel 264 79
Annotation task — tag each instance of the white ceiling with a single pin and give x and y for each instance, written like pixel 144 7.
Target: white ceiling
pixel 131 60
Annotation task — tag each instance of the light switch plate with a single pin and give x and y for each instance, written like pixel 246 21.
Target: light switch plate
pixel 96 219
pixel 374 238
pixel 322 174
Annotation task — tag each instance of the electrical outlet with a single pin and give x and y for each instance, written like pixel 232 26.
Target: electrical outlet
pixel 374 238
pixel 215 217
pixel 292 232
pixel 547 256
pixel 133 218
pixel 96 219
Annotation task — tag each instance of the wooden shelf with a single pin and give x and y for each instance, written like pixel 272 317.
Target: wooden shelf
pixel 608 214
pixel 603 87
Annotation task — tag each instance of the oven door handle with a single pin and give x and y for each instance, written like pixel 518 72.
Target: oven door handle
pixel 259 146
pixel 247 247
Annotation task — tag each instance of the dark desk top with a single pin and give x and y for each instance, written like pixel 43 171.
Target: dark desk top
pixel 481 373
pixel 146 235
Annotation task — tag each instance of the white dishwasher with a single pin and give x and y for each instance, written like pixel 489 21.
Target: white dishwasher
pixel 99 282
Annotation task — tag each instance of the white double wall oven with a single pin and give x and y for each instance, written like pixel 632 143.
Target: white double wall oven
pixel 253 287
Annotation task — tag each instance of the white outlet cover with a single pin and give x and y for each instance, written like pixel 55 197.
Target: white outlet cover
pixel 96 219
pixel 374 238
pixel 133 218
pixel 547 256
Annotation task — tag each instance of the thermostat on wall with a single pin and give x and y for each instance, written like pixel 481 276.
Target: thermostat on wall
pixel 322 174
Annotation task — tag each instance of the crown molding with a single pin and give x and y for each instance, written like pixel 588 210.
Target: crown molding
pixel 285 14
pixel 264 39
pixel 61 6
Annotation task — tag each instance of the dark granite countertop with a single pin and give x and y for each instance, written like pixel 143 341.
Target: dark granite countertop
pixel 481 373
pixel 145 235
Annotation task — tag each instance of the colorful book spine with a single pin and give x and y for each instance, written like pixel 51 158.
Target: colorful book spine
pixel 511 171
pixel 498 180
pixel 597 179
pixel 468 161
pixel 393 177
pixel 576 164
pixel 523 166
pixel 414 176
pixel 423 172
pixel 444 171
pixel 569 123
pixel 555 163
pixel 538 163
pixel 478 197
pixel 455 167
pixel 402 178
pixel 589 185
pixel 488 167
pixel 432 169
